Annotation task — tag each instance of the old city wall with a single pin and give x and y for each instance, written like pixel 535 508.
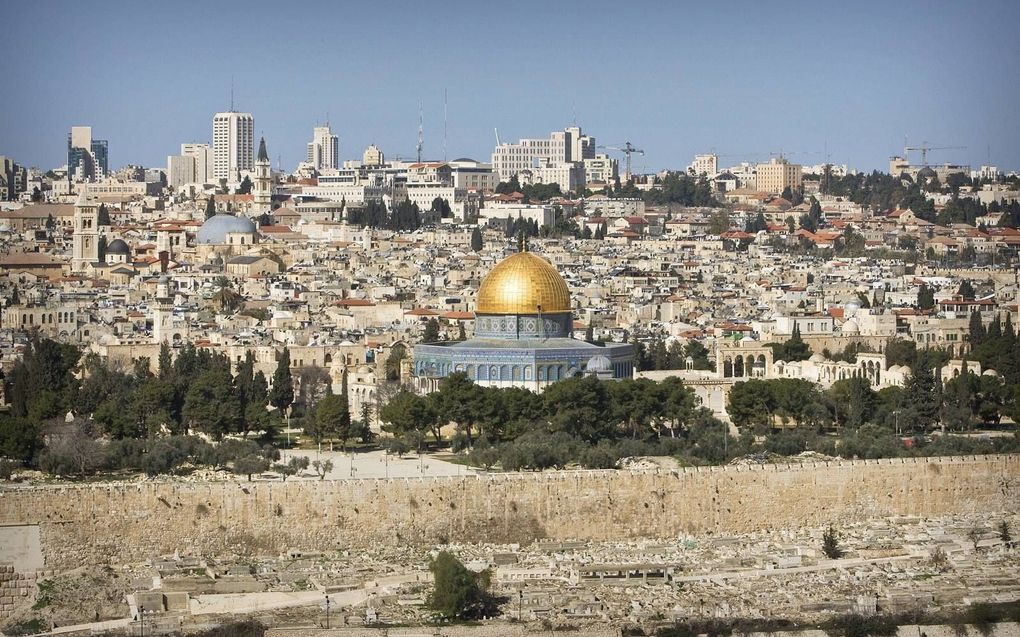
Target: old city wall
pixel 101 523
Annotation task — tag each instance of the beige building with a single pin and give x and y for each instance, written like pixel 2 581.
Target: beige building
pixel 777 175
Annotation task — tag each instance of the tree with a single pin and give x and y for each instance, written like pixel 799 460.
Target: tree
pixel 431 331
pixel 322 467
pixel 292 466
pixel 830 544
pixel 103 216
pixel 751 403
pixel 966 290
pixel 282 394
pixel 393 362
pixel 409 416
pixel 250 465
pixel 925 297
pixel 476 240
pixel 458 400
pixel 333 418
pixel 458 593
pixel 245 186
pixel 1005 535
pixel 225 297
pixel 719 222
pixel 578 407
pixel 977 329
pixel 210 207
pixel 165 361
pixel 211 406
pixel 854 400
pixel 794 349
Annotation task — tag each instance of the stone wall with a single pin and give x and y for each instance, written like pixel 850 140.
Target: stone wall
pixel 120 522
pixel 14 589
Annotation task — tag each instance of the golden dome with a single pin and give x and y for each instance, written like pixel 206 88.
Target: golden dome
pixel 523 283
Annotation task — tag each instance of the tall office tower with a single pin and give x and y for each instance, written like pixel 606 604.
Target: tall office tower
pixel 87 158
pixel 233 144
pixel 203 156
pixel 324 149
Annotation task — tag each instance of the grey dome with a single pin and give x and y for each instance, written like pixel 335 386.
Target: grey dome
pixel 599 363
pixel 216 228
pixel 118 246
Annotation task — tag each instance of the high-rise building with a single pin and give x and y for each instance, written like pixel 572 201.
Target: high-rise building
pixel 233 144
pixel 180 170
pixel 324 149
pixel 203 155
pixel 13 179
pixel 778 175
pixel 87 158
pixel 193 165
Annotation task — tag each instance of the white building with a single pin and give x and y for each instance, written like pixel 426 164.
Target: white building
pixel 202 153
pixel 180 170
pixel 705 164
pixel 473 175
pixel 233 144
pixel 543 215
pixel 324 149
pixel 601 169
pixel 569 145
pixel 568 175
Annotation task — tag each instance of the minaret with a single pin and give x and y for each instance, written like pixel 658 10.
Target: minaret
pixel 163 316
pixel 263 187
pixel 85 242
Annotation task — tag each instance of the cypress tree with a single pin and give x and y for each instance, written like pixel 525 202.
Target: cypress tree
pixel 977 329
pixel 282 394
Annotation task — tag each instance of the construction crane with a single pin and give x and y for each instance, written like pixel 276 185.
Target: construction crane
pixel 924 148
pixel 627 149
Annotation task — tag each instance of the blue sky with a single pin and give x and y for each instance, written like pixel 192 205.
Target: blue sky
pixel 742 78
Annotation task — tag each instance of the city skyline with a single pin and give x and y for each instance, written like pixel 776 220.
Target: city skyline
pixel 847 81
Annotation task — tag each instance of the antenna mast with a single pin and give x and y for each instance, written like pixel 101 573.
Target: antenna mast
pixel 444 124
pixel 421 131
pixel 231 93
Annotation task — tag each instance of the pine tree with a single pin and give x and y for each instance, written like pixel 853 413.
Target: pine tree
pixel 830 544
pixel 104 215
pixel 431 331
pixel 282 394
pixel 476 240
pixel 210 207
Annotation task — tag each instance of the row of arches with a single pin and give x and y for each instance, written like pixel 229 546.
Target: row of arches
pixel 502 372
pixel 47 318
pixel 745 366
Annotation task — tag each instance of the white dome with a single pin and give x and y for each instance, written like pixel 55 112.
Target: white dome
pixel 851 327
pixel 216 228
pixel 817 358
pixel 599 363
